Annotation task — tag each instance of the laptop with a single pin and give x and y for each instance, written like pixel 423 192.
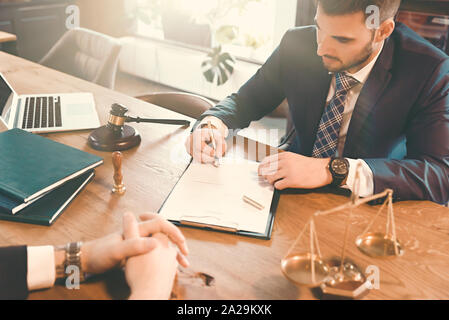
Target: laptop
pixel 41 113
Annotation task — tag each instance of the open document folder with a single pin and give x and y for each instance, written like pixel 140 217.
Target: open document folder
pixel 213 198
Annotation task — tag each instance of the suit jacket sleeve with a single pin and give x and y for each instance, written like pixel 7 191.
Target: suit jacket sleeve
pixel 13 273
pixel 260 95
pixel 424 173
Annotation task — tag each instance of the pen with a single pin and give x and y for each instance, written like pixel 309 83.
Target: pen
pixel 214 145
pixel 253 203
pixel 208 226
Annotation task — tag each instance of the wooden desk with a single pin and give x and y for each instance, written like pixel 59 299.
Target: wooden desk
pixel 7 37
pixel 243 268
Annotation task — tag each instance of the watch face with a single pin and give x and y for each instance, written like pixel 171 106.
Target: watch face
pixel 339 167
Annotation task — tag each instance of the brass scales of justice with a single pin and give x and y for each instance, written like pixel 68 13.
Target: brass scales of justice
pixel 337 277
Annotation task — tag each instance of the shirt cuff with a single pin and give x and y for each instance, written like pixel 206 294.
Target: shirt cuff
pixel 217 123
pixel 366 187
pixel 41 267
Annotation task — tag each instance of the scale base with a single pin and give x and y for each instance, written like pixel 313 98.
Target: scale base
pixel 106 138
pixel 349 284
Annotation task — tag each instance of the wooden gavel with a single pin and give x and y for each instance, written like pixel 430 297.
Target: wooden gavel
pixel 118 117
pixel 117 136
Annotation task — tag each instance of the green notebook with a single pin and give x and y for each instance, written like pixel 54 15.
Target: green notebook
pixel 45 210
pixel 31 165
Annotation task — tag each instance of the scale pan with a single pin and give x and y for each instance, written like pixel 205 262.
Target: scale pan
pixel 378 245
pixel 298 269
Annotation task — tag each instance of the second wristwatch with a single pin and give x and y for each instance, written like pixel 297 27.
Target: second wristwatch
pixel 339 168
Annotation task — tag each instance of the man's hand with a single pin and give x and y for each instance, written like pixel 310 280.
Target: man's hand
pixel 108 252
pixel 197 144
pixel 291 170
pixel 151 275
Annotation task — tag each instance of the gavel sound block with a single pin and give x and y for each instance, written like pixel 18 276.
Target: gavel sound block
pixel 107 138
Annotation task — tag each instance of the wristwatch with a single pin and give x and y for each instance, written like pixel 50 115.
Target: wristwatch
pixel 72 258
pixel 339 169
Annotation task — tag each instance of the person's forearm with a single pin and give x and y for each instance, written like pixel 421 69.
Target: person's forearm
pixel 412 179
pixel 227 110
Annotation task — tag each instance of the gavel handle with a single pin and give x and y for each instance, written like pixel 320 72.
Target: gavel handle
pixel 162 121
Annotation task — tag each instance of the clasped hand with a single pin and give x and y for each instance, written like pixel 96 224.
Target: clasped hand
pixel 151 258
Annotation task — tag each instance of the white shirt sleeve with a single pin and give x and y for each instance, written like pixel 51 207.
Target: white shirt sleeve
pixel 41 267
pixel 366 177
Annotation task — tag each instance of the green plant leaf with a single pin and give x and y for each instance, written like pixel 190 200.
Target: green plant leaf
pixel 218 67
pixel 209 75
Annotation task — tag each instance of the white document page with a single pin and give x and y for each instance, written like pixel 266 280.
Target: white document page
pixel 214 196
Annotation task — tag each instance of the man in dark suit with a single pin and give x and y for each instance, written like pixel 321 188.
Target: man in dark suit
pixel 150 269
pixel 361 93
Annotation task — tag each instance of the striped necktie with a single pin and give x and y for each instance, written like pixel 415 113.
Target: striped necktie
pixel 329 129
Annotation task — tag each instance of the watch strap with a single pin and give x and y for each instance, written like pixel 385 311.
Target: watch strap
pixel 60 268
pixel 337 181
pixel 72 258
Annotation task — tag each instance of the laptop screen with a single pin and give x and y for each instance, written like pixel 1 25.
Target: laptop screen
pixel 6 97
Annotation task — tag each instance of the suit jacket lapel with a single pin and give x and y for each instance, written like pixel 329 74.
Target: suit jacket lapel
pixel 372 90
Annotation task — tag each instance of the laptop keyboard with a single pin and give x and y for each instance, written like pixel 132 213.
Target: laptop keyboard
pixel 42 112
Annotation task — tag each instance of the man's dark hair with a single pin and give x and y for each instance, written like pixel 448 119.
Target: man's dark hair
pixel 387 8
